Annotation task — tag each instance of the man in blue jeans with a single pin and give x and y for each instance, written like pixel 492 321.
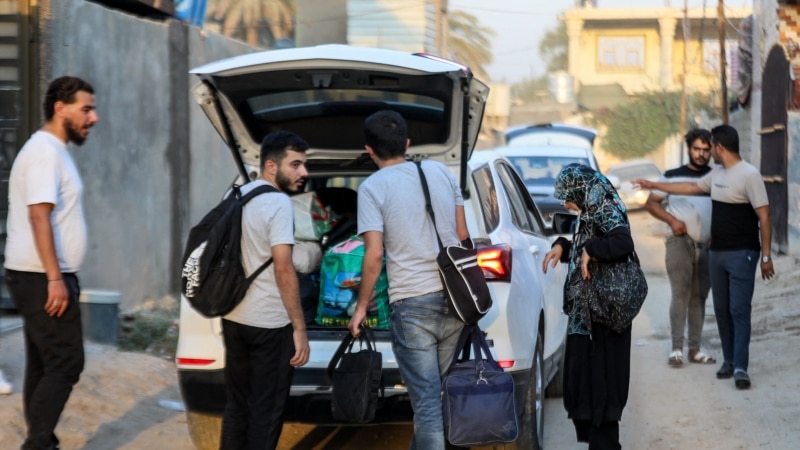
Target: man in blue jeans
pixel 424 329
pixel 740 215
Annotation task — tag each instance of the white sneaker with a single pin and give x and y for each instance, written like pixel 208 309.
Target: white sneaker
pixel 5 386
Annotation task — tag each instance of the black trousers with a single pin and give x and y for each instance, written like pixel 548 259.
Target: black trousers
pixel 53 352
pixel 257 381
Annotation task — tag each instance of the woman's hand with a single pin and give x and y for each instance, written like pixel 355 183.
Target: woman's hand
pixel 552 257
pixel 585 258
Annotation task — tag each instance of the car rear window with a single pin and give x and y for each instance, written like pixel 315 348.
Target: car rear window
pixel 333 118
pixel 542 170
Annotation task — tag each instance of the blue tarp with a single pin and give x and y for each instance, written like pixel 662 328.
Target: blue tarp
pixel 192 11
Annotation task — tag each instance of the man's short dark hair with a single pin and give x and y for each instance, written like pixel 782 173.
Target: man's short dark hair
pixel 385 131
pixel 63 89
pixel 275 146
pixel 695 134
pixel 726 136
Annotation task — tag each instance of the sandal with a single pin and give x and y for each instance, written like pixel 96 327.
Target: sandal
pixel 700 358
pixel 676 358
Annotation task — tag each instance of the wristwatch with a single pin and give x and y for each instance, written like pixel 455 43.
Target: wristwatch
pixel 765 259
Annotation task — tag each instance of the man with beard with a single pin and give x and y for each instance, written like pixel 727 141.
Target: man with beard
pixel 45 247
pixel 686 259
pixel 265 335
pixel 740 229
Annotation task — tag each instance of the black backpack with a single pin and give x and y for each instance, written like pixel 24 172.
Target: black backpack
pixel 213 278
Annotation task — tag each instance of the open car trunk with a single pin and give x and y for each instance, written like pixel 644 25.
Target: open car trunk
pixel 324 93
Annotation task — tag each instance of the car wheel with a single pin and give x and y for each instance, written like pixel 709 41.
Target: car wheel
pixel 556 387
pixel 531 436
pixel 204 429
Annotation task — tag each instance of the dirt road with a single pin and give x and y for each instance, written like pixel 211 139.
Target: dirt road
pixel 123 399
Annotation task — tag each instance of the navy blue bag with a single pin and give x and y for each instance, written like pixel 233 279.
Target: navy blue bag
pixel 478 396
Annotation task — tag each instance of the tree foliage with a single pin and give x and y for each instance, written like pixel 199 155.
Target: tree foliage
pixel 554 47
pixel 469 43
pixel 553 51
pixel 636 128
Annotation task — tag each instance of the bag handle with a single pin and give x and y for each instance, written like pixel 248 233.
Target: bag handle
pixel 428 206
pixel 365 338
pixel 471 337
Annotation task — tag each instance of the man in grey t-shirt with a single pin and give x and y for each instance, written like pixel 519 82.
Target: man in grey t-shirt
pixel 265 335
pixel 392 216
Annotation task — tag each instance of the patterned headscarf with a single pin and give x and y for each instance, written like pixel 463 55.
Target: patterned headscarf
pixel 601 211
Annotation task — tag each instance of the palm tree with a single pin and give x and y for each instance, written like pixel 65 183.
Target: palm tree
pixel 248 19
pixel 469 43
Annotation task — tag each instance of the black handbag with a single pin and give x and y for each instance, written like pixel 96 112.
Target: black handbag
pixel 478 396
pixel 463 279
pixel 355 378
pixel 616 292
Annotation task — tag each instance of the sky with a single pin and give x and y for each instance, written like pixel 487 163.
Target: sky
pixel 520 24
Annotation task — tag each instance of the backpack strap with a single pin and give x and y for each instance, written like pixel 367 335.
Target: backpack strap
pixel 256 191
pixel 428 206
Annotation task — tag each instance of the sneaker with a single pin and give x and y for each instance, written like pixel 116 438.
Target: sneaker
pixel 742 379
pixel 5 386
pixel 726 371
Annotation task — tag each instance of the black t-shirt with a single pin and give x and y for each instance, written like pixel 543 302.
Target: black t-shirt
pixel 685 171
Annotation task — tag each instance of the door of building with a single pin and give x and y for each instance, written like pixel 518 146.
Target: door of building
pixel 775 97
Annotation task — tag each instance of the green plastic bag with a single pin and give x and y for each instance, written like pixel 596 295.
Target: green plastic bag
pixel 340 279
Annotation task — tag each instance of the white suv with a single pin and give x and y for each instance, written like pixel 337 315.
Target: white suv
pixel 324 94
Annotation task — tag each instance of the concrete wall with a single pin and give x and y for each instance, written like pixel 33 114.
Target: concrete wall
pixel 152 165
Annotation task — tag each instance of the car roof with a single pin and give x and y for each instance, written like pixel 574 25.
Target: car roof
pixel 545 150
pixel 632 163
pixel 551 134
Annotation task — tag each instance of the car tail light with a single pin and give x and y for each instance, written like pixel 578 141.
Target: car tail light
pixel 506 363
pixel 495 262
pixel 195 361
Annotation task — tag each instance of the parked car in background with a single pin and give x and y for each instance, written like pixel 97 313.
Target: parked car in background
pixel 324 94
pixel 630 170
pixel 551 134
pixel 539 152
pixel 539 166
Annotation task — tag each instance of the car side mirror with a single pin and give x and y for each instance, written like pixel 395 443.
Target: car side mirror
pixel 564 223
pixel 614 180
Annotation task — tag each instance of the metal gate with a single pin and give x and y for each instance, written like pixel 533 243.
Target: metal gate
pixel 15 102
pixel 775 97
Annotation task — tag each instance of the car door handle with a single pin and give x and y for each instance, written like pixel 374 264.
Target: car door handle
pixel 534 249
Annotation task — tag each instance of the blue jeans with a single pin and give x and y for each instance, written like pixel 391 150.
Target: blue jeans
pixel 733 276
pixel 424 336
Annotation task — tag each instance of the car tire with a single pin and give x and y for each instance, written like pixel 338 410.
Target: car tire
pixel 556 387
pixel 204 429
pixel 531 433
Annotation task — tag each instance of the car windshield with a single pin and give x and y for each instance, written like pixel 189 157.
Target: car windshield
pixel 542 170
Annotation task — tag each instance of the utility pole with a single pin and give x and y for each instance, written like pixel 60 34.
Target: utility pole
pixel 723 81
pixel 685 57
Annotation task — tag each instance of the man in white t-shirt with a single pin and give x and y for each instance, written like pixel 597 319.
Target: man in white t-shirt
pixel 741 237
pixel 45 247
pixel 392 215
pixel 265 335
